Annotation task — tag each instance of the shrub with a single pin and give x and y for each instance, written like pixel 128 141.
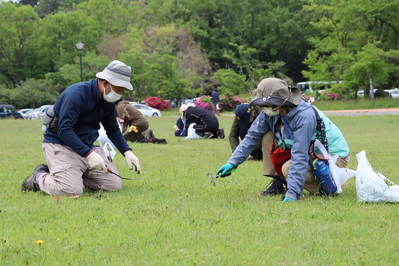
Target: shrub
pixel 204 102
pixel 229 103
pixel 157 103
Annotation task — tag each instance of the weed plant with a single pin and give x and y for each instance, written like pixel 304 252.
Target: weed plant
pixel 171 215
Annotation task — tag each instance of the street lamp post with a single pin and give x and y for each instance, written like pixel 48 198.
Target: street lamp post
pixel 80 46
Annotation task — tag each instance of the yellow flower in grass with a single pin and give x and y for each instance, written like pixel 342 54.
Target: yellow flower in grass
pixel 39 242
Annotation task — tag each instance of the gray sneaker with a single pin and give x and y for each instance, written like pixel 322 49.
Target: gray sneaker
pixel 30 183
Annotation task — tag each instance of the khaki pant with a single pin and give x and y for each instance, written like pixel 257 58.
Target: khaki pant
pixel 311 184
pixel 70 173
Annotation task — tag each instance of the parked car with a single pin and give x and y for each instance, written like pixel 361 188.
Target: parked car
pixel 184 101
pixel 361 92
pixel 9 111
pixel 24 111
pixel 29 114
pixel 37 113
pixel 393 93
pixel 146 110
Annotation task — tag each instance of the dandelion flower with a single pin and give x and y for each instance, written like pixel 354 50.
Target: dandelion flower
pixel 39 242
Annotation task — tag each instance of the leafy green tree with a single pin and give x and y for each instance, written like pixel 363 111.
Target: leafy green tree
pixel 32 3
pixel 254 69
pixel 231 83
pixel 356 40
pixel 168 82
pixel 19 27
pixel 109 17
pixel 278 30
pixel 156 68
pixel 31 93
pixel 70 73
pixel 47 7
pixel 62 32
pixel 369 62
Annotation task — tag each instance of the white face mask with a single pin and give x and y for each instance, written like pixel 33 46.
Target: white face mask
pixel 112 96
pixel 270 112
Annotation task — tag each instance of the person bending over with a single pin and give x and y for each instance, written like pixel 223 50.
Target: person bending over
pixel 289 124
pixel 207 124
pixel 244 116
pixel 132 120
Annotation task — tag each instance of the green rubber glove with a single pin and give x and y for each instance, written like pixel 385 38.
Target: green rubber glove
pixel 226 170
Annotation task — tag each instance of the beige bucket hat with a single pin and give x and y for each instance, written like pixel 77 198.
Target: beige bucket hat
pixel 118 74
pixel 276 92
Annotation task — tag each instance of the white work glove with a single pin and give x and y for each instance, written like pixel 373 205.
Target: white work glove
pixel 131 160
pixel 96 161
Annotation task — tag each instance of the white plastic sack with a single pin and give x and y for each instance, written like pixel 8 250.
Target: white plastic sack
pixel 340 175
pixel 372 186
pixel 105 143
pixel 191 132
pixel 103 138
pixel 109 150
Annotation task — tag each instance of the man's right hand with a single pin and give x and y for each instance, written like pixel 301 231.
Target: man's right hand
pixel 226 170
pixel 96 161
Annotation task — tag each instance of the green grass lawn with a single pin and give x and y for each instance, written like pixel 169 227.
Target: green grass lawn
pixel 361 103
pixel 171 215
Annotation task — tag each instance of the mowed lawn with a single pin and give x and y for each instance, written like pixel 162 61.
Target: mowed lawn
pixel 171 215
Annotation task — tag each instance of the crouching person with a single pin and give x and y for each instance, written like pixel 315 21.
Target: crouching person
pixel 289 126
pixel 74 164
pixel 132 120
pixel 207 124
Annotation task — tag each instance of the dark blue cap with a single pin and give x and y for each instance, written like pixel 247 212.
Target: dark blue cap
pixel 243 113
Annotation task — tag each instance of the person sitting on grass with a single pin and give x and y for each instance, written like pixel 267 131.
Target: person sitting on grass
pixel 288 123
pixel 179 128
pixel 134 124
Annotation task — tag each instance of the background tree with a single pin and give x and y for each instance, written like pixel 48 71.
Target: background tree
pixel 355 38
pixel 182 48
pixel 19 27
pixel 153 54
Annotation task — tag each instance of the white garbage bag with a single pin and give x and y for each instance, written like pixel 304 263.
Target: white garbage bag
pixel 372 186
pixel 340 175
pixel 109 150
pixel 191 132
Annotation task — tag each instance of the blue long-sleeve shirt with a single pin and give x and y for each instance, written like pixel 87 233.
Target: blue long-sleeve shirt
pixel 80 110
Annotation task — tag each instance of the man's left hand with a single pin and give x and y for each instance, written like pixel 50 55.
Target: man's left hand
pixel 131 160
